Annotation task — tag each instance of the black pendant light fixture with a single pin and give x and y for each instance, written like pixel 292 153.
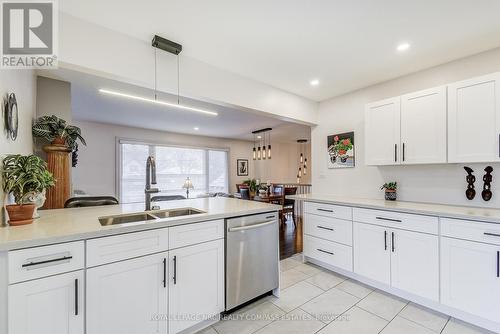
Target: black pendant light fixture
pixel 302 159
pixel 263 151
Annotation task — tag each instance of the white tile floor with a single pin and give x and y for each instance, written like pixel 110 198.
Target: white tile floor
pixel 314 300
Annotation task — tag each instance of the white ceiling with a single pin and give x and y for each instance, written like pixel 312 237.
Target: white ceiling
pixel 346 44
pixel 89 105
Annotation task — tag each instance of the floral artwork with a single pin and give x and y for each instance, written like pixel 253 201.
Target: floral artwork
pixel 341 150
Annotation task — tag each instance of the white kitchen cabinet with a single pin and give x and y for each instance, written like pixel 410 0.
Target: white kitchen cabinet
pixel 382 131
pixel 127 297
pixel 196 284
pixel 470 277
pixel 423 126
pixel 52 305
pixel 372 257
pixel 474 119
pixel 415 263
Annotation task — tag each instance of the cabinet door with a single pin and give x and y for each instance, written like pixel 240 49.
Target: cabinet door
pixel 52 305
pixel 196 287
pixel 382 130
pixel 423 126
pixel 127 297
pixel 372 252
pixel 474 119
pixel 470 277
pixel 415 263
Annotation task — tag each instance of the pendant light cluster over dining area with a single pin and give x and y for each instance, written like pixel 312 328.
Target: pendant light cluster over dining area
pixel 262 144
pixel 302 143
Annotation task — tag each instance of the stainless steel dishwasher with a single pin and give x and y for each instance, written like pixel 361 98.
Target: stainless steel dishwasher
pixel 252 257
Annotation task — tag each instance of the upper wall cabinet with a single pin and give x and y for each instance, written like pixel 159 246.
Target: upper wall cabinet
pixel 382 130
pixel 474 119
pixel 423 126
pixel 410 129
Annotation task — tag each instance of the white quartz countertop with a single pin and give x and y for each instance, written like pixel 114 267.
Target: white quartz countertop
pixel 449 211
pixel 62 225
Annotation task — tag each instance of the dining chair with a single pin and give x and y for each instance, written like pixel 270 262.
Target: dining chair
pixel 240 186
pixel 289 204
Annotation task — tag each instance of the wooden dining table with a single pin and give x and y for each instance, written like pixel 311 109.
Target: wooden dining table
pixel 268 198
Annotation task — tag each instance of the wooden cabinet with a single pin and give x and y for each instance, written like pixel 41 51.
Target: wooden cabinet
pixel 470 277
pixel 52 305
pixel 415 263
pixel 423 126
pixel 196 284
pixel 406 260
pixel 129 296
pixel 382 132
pixel 474 119
pixel 372 257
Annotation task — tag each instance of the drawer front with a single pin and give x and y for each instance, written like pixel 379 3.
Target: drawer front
pixel 405 221
pixel 37 262
pixel 328 210
pixel 126 246
pixel 190 234
pixel 328 252
pixel 331 229
pixel 471 230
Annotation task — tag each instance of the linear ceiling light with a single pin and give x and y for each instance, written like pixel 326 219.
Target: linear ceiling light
pixel 163 103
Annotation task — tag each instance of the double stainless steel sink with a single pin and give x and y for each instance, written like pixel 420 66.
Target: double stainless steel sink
pixel 147 216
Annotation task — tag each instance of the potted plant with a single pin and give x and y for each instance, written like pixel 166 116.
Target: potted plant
pixel 56 131
pixel 24 176
pixel 252 186
pixel 390 190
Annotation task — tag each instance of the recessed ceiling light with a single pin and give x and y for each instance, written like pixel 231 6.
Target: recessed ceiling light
pixel 196 128
pixel 259 137
pixel 403 47
pixel 314 82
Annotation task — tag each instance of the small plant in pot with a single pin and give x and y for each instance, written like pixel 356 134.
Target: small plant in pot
pixel 24 176
pixel 390 190
pixel 252 186
pixel 56 131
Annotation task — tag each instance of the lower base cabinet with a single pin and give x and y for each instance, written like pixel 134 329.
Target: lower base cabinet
pixel 128 297
pixel 52 305
pixel 196 287
pixel 470 277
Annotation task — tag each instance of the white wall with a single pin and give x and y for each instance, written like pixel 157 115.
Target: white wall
pixel 22 83
pixel 95 172
pixel 53 98
pixel 117 56
pixel 444 183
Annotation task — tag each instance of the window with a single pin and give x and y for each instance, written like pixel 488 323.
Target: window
pixel 207 168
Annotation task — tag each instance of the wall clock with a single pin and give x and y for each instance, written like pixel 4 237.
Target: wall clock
pixel 11 116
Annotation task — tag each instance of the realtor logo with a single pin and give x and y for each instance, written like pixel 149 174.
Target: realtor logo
pixel 28 34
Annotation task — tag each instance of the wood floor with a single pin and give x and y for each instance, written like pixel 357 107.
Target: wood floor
pixel 290 238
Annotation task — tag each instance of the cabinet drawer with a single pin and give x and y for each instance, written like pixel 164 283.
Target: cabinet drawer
pixel 405 221
pixel 331 229
pixel 190 234
pixel 328 252
pixel 328 210
pixel 36 262
pixel 471 230
pixel 126 246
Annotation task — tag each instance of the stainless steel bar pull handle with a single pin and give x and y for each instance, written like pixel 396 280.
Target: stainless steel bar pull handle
pixel 385 240
pixel 389 219
pixel 393 246
pixel 325 228
pixel 76 296
pixel 64 258
pixel 491 234
pixel 403 151
pixel 325 210
pixel 249 227
pixel 395 152
pixel 164 272
pixel 175 270
pixel 498 263
pixel 324 251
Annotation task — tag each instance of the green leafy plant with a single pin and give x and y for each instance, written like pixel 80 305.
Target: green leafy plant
pixel 52 127
pixel 25 175
pixel 252 184
pixel 389 186
pixel 343 145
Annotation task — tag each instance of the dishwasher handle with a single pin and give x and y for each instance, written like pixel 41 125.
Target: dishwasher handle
pixel 251 227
